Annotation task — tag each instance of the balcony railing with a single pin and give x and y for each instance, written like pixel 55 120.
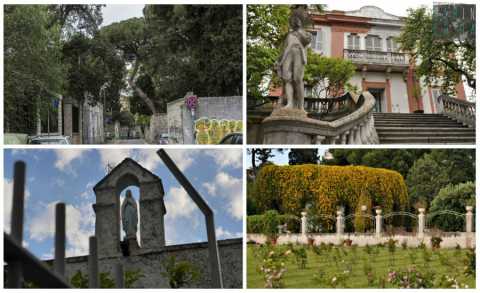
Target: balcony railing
pixel 375 57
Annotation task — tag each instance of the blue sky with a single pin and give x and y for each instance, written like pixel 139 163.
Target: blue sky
pixel 68 175
pixel 117 12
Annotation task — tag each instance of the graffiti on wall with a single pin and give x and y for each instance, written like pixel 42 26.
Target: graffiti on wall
pixel 211 131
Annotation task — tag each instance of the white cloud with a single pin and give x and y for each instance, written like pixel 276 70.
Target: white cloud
pixel 113 157
pixel 178 203
pixel 230 188
pixel 79 226
pixel 7 202
pixel 148 158
pixel 88 192
pixel 225 234
pixel 66 156
pixel 184 158
pixel 227 157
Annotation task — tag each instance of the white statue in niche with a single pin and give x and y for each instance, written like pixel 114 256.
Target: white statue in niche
pixel 129 216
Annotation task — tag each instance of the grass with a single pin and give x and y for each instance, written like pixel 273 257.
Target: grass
pixel 358 262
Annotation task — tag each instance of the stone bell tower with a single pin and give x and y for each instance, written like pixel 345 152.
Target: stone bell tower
pixel 107 208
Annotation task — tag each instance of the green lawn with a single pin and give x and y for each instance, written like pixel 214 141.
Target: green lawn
pixel 357 263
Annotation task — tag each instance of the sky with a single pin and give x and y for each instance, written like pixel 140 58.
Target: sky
pixel 68 175
pixel 116 13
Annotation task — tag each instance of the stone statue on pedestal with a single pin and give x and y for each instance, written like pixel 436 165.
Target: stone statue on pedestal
pixel 129 216
pixel 291 64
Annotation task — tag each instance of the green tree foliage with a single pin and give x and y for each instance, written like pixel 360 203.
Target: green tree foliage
pixel 181 48
pixel 76 18
pixel 441 62
pixel 33 69
pixel 453 198
pixel 328 76
pixel 180 273
pixel 266 27
pixel 436 170
pixel 303 156
pixel 400 160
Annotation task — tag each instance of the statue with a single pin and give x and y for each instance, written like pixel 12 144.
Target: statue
pixel 129 216
pixel 290 65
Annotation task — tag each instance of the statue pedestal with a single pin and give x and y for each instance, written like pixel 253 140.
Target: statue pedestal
pixel 133 247
pixel 289 126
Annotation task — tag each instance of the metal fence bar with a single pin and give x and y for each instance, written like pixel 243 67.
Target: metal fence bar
pixel 59 262
pixel 93 276
pixel 16 228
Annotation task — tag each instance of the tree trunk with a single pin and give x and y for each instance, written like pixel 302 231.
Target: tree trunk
pixel 139 91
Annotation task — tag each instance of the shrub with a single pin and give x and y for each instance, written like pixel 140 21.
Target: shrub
pixel 290 188
pixel 453 198
pixel 435 242
pixel 180 273
pixel 256 223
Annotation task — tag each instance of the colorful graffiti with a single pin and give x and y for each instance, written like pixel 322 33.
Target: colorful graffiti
pixel 211 131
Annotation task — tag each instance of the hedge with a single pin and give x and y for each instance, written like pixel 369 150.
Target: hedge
pixel 256 223
pixel 288 189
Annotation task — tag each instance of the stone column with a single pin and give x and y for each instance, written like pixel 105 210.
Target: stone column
pixel 339 223
pixel 421 222
pixel 152 213
pixel 378 223
pixel 469 220
pixel 304 223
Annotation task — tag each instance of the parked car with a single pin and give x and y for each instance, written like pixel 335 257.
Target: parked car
pixel 163 139
pixel 49 139
pixel 232 138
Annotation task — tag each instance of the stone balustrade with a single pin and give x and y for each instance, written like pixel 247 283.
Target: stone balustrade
pixel 459 110
pixel 465 239
pixel 356 127
pixel 375 57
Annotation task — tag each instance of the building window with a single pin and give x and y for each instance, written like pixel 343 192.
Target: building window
pixel 353 42
pixel 317 40
pixel 373 43
pixel 392 45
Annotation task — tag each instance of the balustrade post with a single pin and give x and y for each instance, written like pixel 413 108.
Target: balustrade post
pixel 469 219
pixel 421 222
pixel 343 137
pixel 339 224
pixel 378 223
pixel 304 224
pixel 358 138
pixel 351 136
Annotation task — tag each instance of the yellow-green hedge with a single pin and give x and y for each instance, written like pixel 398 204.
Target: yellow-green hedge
pixel 289 188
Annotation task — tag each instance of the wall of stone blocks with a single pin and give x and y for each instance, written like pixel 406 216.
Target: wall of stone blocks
pixel 151 264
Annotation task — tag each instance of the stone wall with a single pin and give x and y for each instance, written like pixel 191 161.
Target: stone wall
pixel 180 122
pixel 449 241
pixel 151 264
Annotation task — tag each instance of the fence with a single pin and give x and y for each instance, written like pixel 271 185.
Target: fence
pixel 24 268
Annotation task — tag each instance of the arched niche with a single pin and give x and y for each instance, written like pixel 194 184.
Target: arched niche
pixel 107 208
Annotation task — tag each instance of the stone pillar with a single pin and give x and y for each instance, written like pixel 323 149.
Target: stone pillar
pixel 304 223
pixel 107 223
pixel 339 223
pixel 378 223
pixel 469 220
pixel 421 222
pixel 152 213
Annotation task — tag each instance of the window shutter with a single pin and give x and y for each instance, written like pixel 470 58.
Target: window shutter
pixel 389 44
pixel 350 42
pixel 369 43
pixel 313 42
pixel 357 42
pixel 377 43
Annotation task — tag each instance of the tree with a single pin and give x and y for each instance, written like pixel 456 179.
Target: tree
pixel 77 18
pixel 262 155
pixel 266 27
pixel 180 273
pixel 425 179
pixel 33 69
pixel 328 77
pixel 440 61
pixel 452 198
pixel 303 156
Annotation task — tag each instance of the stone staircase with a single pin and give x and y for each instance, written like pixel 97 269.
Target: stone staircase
pixel 413 128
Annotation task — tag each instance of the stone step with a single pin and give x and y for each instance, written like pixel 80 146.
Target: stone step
pixel 385 134
pixel 427 140
pixel 424 125
pixel 389 129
